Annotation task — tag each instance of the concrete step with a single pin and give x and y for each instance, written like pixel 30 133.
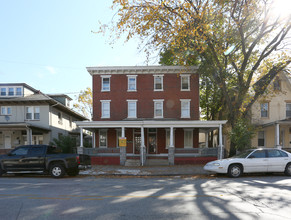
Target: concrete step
pixel 132 162
pixel 157 162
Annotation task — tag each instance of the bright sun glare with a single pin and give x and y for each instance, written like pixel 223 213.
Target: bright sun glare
pixel 281 8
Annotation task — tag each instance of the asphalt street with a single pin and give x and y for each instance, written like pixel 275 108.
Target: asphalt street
pixel 91 197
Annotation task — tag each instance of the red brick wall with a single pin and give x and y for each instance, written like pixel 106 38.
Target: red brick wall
pixel 145 95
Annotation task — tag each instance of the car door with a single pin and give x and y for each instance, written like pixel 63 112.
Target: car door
pixel 277 160
pixel 256 162
pixel 35 158
pixel 15 160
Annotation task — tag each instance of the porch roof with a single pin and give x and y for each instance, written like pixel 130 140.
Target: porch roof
pixel 22 126
pixel 280 122
pixel 207 125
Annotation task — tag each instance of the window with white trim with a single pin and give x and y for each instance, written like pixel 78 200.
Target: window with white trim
pixel 60 118
pixel 185 108
pixel 265 110
pixel 185 82
pixel 131 83
pixel 103 138
pixel 188 138
pixel 131 108
pixel 288 110
pixel 105 83
pixel 5 110
pixel 19 91
pixel 158 82
pixel 10 91
pixel 158 108
pixel 105 108
pixel 3 91
pixel 32 113
pixel 261 139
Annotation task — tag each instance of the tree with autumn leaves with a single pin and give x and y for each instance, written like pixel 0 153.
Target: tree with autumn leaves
pixel 238 44
pixel 85 104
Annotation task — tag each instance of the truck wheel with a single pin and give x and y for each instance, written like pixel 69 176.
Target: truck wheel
pixel 73 172
pixel 57 170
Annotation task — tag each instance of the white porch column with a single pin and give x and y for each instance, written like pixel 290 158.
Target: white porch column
pixel 81 137
pixel 277 135
pixel 93 139
pixel 122 149
pixel 206 139
pixel 171 150
pixel 142 147
pixel 220 147
pixel 29 136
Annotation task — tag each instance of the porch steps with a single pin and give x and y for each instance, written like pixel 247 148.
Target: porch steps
pixel 157 162
pixel 132 163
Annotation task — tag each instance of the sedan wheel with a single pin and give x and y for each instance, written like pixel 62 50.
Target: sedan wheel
pixel 288 169
pixel 235 170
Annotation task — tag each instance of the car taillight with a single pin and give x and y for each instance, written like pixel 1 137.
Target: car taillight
pixel 78 159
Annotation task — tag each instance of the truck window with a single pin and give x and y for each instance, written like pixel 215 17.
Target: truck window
pixel 22 151
pixel 36 151
pixel 52 150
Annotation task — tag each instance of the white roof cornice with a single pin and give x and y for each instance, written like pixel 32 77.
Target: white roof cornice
pixel 142 70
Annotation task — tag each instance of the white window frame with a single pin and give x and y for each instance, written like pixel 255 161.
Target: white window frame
pixel 10 91
pixel 129 77
pixel 267 110
pixel 6 110
pixel 191 139
pixel 156 102
pixel 183 111
pixel 129 102
pixel 288 109
pixel 264 138
pixel 184 76
pixel 162 82
pixel 2 90
pixel 19 94
pixel 35 111
pixel 102 85
pixel 106 138
pixel 60 118
pixel 103 103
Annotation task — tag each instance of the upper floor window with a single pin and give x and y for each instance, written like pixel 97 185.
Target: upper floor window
pixel 185 82
pixel 185 108
pixel 18 91
pixel 3 91
pixel 105 108
pixel 11 91
pixel 288 110
pixel 158 82
pixel 60 118
pixel 6 110
pixel 158 108
pixel 105 81
pixel 131 83
pixel 32 113
pixel 265 110
pixel 277 84
pixel 131 108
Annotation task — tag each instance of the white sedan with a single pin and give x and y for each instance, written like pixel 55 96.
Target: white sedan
pixel 253 161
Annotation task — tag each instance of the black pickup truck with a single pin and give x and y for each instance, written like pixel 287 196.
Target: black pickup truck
pixel 42 158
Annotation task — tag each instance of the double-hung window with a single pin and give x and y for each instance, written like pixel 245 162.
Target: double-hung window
pixel 32 113
pixel 131 83
pixel 5 110
pixel 131 104
pixel 288 110
pixel 185 82
pixel 11 91
pixel 105 108
pixel 185 108
pixel 103 138
pixel 265 110
pixel 261 139
pixel 158 83
pixel 18 91
pixel 3 91
pixel 188 138
pixel 105 83
pixel 158 108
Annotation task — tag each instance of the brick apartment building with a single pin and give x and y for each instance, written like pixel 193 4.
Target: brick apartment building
pixel 156 108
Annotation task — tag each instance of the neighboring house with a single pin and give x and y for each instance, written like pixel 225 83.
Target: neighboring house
pixel 27 116
pixel 272 115
pixel 156 108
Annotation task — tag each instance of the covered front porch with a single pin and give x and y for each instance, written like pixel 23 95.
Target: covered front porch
pixel 173 141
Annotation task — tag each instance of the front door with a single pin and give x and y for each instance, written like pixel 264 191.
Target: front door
pixel 7 140
pixel 152 141
pixel 137 142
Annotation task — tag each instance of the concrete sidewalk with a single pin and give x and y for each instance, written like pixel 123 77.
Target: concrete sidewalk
pixel 176 170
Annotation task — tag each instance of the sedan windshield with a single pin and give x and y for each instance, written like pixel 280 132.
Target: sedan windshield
pixel 243 154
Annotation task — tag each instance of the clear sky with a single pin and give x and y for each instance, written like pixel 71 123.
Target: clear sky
pixel 48 44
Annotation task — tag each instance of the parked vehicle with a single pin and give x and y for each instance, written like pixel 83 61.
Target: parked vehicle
pixel 42 159
pixel 253 161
